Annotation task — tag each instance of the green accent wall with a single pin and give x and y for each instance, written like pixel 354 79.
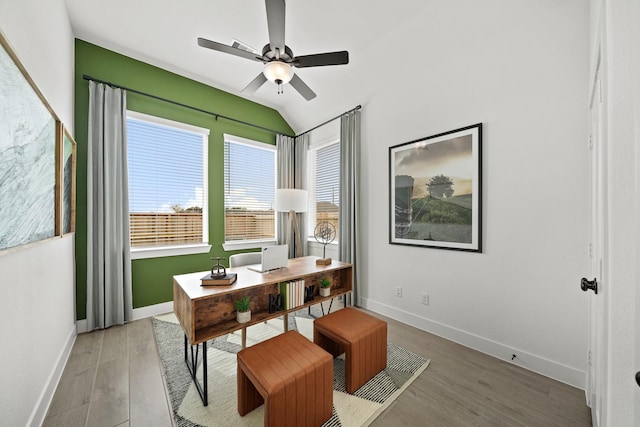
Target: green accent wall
pixel 152 278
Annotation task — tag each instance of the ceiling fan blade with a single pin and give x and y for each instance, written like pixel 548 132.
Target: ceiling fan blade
pixel 228 49
pixel 302 88
pixel 275 22
pixel 255 84
pixel 321 59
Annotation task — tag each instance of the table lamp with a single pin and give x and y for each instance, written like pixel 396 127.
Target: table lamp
pixel 292 200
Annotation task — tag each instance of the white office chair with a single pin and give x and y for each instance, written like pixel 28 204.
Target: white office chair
pixel 237 260
pixel 247 258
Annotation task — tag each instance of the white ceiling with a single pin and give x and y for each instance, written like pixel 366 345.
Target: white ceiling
pixel 164 33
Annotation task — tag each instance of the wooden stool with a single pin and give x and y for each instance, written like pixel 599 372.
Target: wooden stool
pixel 363 339
pixel 292 376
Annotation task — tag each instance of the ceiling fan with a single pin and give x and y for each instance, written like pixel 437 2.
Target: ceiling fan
pixel 278 57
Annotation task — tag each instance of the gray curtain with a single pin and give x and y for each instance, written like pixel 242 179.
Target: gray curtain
pixel 348 250
pixel 301 154
pixel 291 173
pixel 108 259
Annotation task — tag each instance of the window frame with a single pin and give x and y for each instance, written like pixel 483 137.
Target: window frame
pixel 311 167
pixel 234 245
pixel 145 252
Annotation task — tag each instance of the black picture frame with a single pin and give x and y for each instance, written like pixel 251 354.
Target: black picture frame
pixel 435 191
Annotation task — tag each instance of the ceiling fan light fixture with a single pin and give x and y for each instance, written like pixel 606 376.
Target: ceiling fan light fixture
pixel 278 72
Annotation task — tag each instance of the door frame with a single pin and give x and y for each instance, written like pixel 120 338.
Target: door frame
pixel 596 388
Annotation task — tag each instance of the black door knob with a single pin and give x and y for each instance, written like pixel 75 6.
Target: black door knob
pixel 586 284
pixel 638 378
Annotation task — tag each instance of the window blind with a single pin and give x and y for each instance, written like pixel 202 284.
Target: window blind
pixel 249 191
pixel 324 176
pixel 167 190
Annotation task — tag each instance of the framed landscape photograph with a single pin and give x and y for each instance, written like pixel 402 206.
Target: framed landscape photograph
pixel 435 191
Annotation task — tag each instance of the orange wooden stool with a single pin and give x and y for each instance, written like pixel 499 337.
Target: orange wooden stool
pixel 363 339
pixel 292 376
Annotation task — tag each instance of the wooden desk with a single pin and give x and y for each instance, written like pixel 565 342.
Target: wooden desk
pixel 207 312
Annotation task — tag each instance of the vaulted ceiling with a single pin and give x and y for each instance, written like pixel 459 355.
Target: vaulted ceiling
pixel 164 33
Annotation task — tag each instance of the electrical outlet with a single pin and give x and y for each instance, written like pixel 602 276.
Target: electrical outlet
pixel 398 291
pixel 425 299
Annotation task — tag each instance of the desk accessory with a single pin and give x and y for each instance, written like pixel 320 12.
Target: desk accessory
pixel 243 307
pixel 275 303
pixel 325 287
pixel 324 233
pixel 218 275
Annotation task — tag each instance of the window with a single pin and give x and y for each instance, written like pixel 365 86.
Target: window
pixel 324 192
pixel 249 193
pixel 167 186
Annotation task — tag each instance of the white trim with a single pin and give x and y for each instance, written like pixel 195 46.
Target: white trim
pixel 135 115
pixel 152 310
pixel 316 145
pixel 138 313
pixel 316 244
pixel 81 326
pixel 205 190
pixel 249 142
pixel 46 396
pixel 203 133
pixel 164 251
pixel 532 362
pixel 311 176
pixel 248 244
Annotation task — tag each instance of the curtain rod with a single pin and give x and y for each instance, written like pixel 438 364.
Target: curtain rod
pixel 216 115
pixel 356 108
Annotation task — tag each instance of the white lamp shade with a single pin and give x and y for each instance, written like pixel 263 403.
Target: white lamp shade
pixel 278 70
pixel 291 199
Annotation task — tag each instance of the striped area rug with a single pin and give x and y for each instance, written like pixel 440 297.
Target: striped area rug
pixel 358 409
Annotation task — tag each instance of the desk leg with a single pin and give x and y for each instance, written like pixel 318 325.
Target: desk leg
pixel 328 311
pixel 192 365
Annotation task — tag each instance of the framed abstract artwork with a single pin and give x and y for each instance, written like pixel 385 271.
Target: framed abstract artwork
pixel 65 183
pixel 28 142
pixel 435 191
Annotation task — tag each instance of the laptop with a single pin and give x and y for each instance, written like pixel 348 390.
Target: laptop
pixel 273 257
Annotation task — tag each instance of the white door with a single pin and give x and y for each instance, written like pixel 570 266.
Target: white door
pixel 596 391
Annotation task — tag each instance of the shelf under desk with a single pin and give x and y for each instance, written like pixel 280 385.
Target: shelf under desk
pixel 207 312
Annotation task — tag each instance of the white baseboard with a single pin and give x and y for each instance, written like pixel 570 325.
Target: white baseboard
pixel 138 313
pixel 152 310
pixel 532 362
pixel 46 396
pixel 81 326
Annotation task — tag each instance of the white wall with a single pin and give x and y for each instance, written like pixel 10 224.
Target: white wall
pixel 520 68
pixel 38 302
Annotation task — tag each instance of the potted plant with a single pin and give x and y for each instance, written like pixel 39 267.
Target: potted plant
pixel 325 287
pixel 243 307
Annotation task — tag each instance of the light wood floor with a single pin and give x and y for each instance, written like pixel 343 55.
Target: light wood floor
pixel 113 378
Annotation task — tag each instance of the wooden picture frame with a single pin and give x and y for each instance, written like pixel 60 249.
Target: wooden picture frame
pixel 435 191
pixel 28 142
pixel 65 182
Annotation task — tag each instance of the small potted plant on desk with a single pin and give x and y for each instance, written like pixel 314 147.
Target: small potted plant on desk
pixel 243 307
pixel 325 287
